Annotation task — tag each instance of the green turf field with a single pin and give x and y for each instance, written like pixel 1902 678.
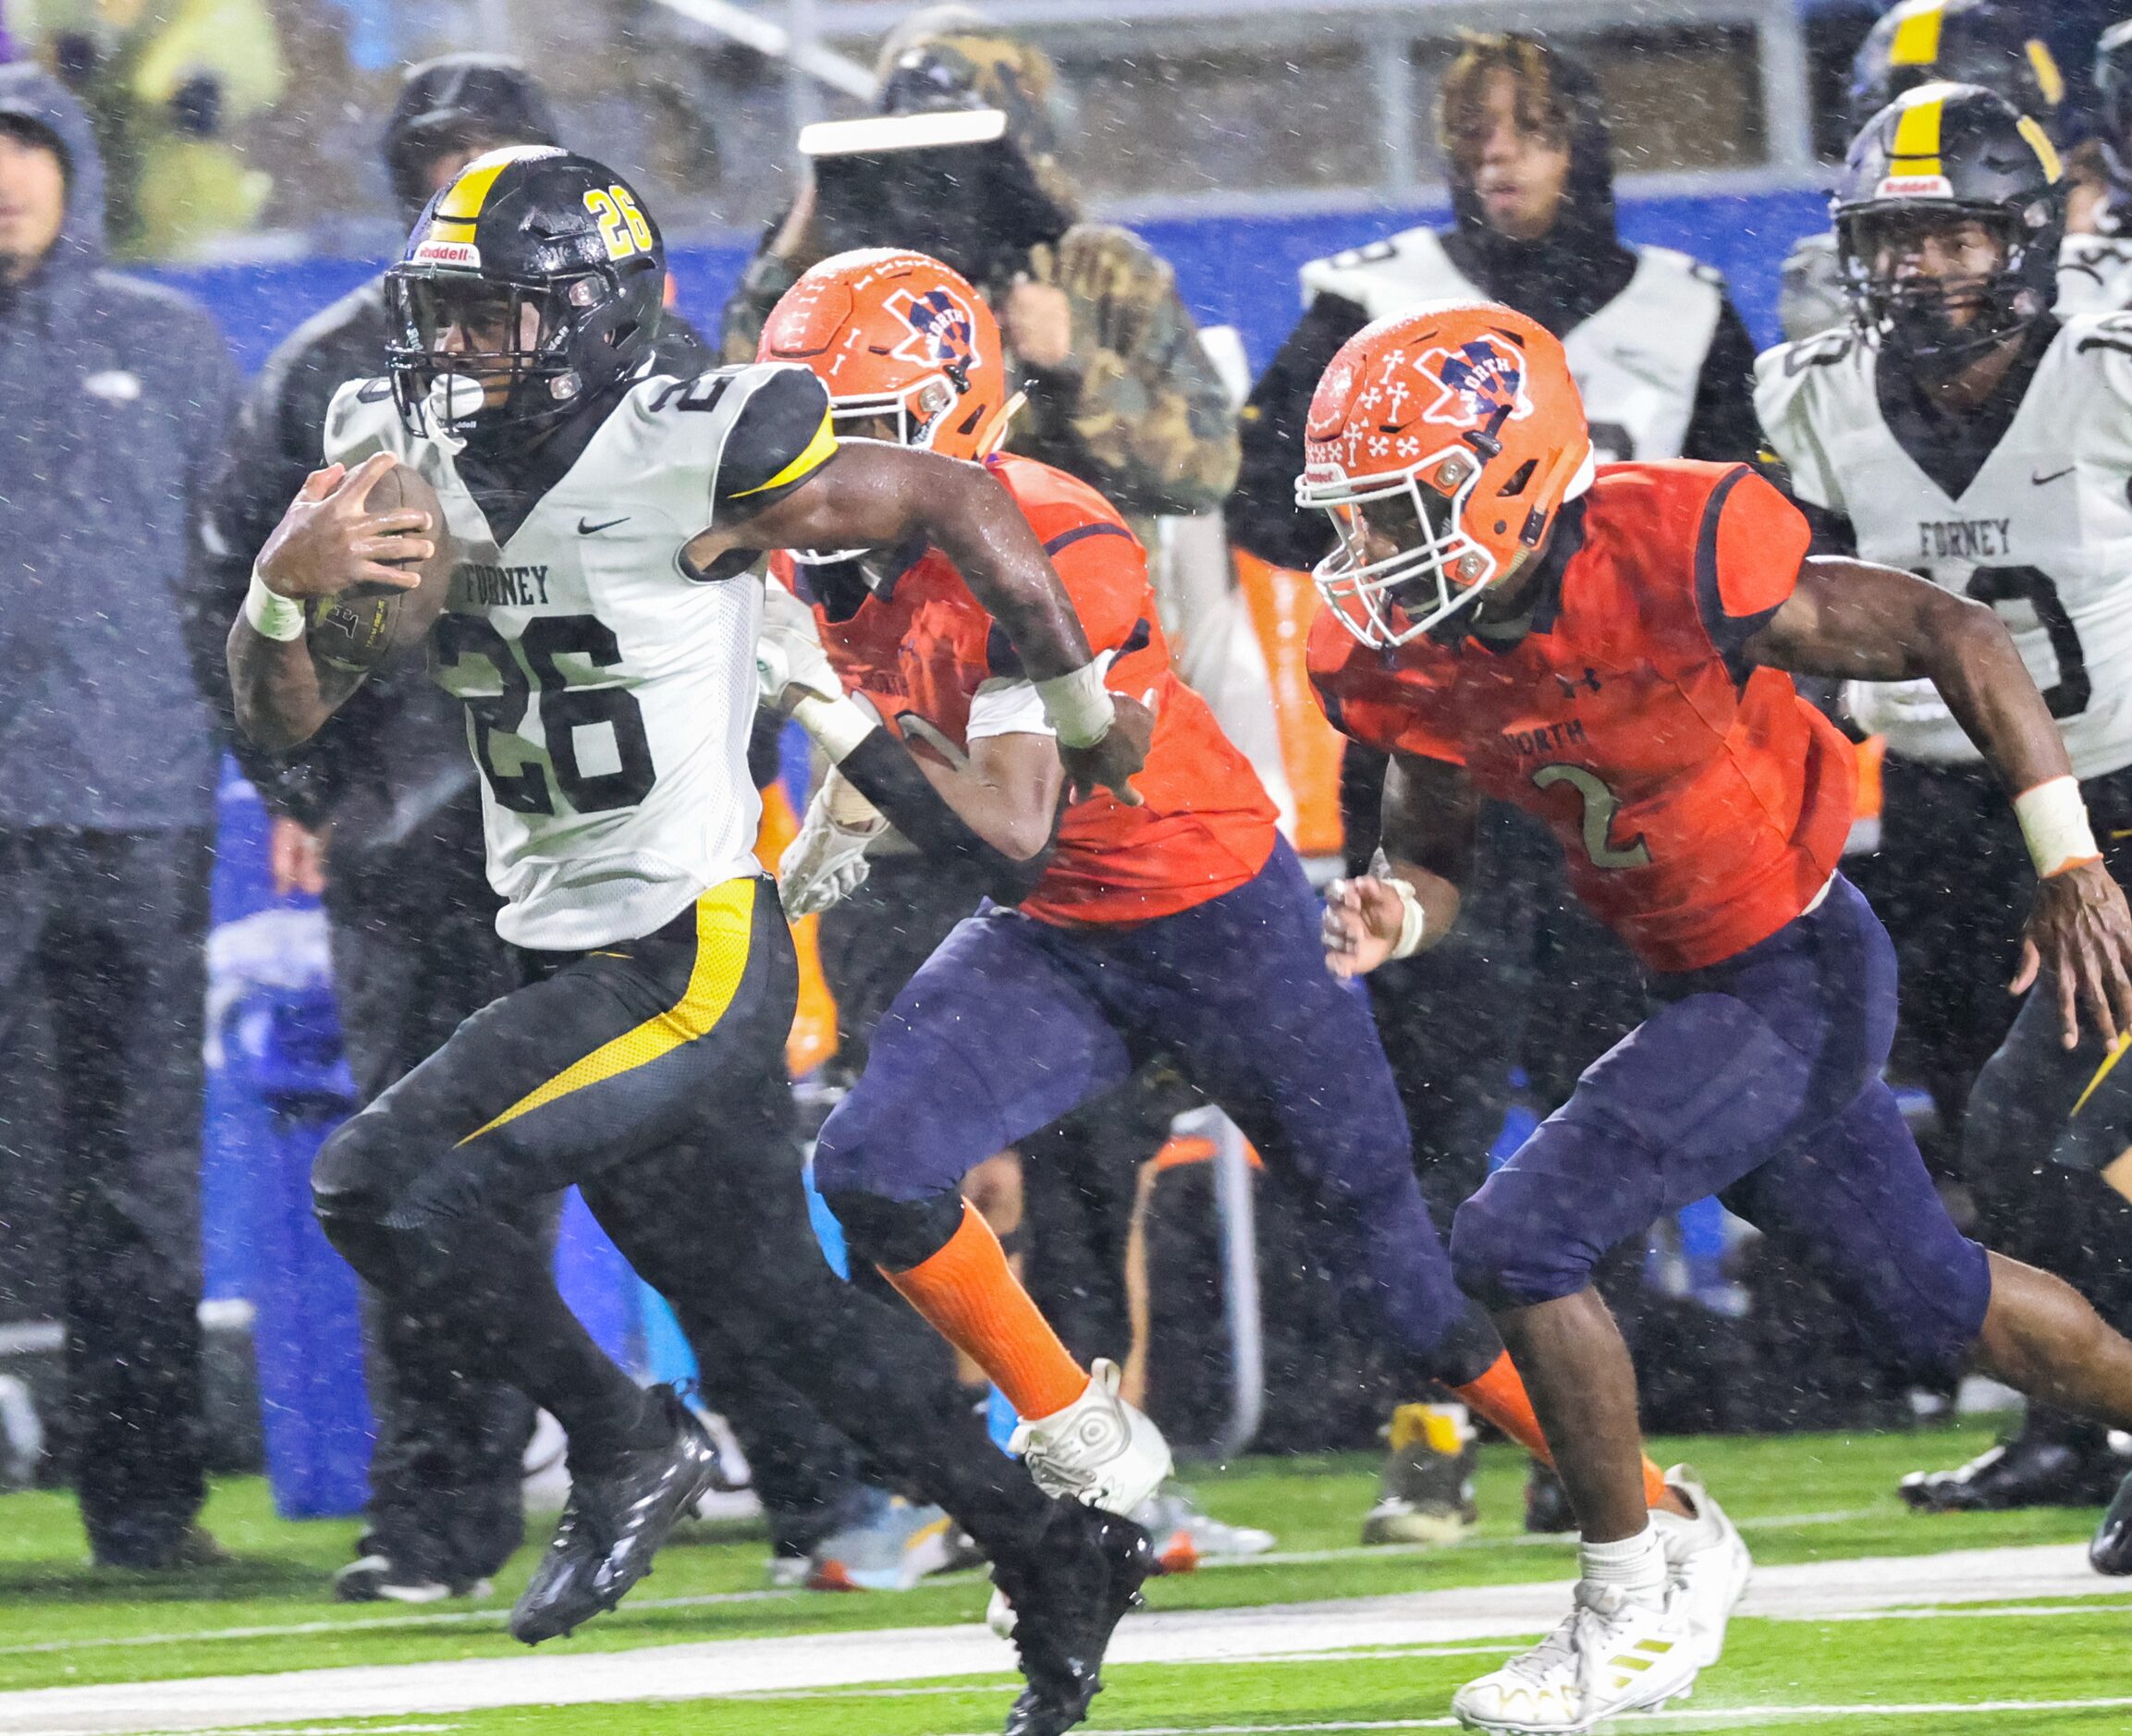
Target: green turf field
pixel 1811 1502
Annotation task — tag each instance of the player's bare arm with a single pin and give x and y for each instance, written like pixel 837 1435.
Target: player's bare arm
pixel 325 542
pixel 1861 622
pixel 1429 819
pixel 877 496
pixel 1007 790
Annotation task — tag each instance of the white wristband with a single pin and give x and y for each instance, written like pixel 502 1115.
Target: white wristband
pixel 272 614
pixel 1079 705
pixel 837 725
pixel 2055 822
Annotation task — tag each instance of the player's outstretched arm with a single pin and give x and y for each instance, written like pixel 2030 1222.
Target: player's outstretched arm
pixel 1861 622
pixel 877 496
pixel 1410 898
pixel 324 543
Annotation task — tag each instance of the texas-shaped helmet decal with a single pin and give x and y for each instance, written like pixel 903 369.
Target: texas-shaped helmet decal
pixel 1481 382
pixel 943 331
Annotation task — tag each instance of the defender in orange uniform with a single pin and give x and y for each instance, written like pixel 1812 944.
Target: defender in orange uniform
pixel 1607 649
pixel 1180 923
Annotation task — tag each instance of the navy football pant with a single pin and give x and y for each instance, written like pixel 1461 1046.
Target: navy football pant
pixel 1757 1080
pixel 1013 1022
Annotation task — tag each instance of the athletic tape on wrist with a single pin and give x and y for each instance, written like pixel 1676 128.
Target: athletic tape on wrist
pixel 1079 705
pixel 838 725
pixel 1413 920
pixel 272 614
pixel 2055 823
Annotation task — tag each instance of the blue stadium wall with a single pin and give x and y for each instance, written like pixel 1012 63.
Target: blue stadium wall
pixel 1235 271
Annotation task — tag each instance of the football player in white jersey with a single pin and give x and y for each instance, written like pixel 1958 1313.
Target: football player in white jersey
pixel 1986 42
pixel 1664 364
pixel 1958 428
pixel 601 630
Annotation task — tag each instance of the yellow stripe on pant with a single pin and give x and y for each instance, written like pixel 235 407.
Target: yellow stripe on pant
pixel 725 920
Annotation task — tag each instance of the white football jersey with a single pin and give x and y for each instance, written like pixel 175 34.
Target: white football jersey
pixel 609 693
pixel 1638 361
pixel 2094 275
pixel 2044 531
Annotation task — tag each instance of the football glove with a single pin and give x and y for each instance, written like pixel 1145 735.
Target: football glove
pixel 827 862
pixel 790 662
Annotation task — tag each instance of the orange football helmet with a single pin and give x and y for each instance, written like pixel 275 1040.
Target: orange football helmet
pixel 899 335
pixel 1451 435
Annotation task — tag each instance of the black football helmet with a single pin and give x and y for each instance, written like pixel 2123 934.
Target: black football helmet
pixel 2114 90
pixel 532 284
pixel 1936 151
pixel 1955 41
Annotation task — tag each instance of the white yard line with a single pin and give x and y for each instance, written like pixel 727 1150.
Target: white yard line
pixel 494 1615
pixel 556 1676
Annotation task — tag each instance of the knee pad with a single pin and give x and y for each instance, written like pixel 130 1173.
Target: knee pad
pixel 371 1217
pixel 894 1234
pixel 1504 1256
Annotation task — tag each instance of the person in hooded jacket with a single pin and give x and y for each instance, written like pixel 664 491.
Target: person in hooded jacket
pixel 1666 368
pixel 113 396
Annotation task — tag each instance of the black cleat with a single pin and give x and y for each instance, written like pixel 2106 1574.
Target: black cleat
pixel 612 1525
pixel 2047 1466
pixel 2109 1550
pixel 1069 1593
pixel 1547 1507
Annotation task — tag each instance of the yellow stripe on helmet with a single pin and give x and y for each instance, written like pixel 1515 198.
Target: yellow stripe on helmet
pixel 1916 39
pixel 2039 142
pixel 1916 147
pixel 463 198
pixel 2044 64
pixel 813 459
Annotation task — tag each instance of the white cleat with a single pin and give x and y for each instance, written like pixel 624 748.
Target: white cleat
pixel 1706 1560
pixel 1099 1449
pixel 1609 1657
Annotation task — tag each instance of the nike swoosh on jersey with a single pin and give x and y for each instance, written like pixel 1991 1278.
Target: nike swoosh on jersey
pixel 2054 475
pixel 604 524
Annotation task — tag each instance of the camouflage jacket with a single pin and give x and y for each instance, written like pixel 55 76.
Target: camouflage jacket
pixel 1138 412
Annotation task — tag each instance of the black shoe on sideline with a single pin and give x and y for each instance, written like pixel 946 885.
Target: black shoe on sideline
pixel 1069 1593
pixel 612 1525
pixel 2047 1466
pixel 191 1549
pixel 2109 1550
pixel 377 1577
pixel 1547 1507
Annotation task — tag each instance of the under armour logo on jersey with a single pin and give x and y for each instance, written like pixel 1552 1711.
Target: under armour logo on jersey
pixel 1569 687
pixel 1480 382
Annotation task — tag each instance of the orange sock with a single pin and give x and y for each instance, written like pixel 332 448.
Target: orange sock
pixel 1500 1396
pixel 970 1297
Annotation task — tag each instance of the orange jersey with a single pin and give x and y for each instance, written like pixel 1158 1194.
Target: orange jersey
pixel 1205 825
pixel 1701 805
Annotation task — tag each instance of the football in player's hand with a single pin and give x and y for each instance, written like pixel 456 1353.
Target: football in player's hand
pixel 370 625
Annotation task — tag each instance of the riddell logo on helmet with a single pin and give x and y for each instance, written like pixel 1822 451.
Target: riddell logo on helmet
pixel 464 255
pixel 1915 187
pixel 943 331
pixel 1481 381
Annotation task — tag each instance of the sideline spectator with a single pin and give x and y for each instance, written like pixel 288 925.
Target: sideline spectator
pixel 1120 392
pixel 113 395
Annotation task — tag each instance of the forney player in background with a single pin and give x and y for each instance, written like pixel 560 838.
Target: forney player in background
pixel 601 633
pixel 1955 427
pixel 1607 654
pixel 1182 925
pixel 1666 365
pixel 1986 42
